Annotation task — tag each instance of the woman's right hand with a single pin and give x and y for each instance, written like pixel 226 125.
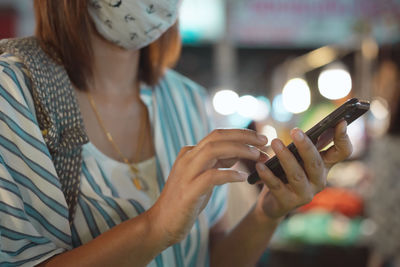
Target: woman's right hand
pixel 196 171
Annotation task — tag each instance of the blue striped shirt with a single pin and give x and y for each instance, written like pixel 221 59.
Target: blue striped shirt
pixel 33 212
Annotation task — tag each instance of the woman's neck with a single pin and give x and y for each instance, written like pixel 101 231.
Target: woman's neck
pixel 115 70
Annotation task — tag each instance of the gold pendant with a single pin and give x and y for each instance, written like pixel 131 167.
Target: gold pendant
pixel 136 182
pixel 139 182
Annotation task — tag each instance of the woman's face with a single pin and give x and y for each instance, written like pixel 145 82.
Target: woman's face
pixel 133 24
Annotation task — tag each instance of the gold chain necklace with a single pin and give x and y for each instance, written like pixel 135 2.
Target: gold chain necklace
pixel 137 180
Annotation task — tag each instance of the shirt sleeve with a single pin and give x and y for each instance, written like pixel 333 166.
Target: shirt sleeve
pixel 33 213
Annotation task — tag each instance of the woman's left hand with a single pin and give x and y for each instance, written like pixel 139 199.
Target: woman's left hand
pixel 304 182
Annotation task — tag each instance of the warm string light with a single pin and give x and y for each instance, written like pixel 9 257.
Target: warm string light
pixel 228 102
pixel 334 82
pixel 296 95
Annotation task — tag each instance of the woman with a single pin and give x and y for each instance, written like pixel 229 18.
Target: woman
pixel 140 200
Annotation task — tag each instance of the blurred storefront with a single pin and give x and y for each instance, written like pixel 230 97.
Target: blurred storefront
pixel 282 64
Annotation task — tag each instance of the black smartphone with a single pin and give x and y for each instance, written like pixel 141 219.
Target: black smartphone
pixel 321 133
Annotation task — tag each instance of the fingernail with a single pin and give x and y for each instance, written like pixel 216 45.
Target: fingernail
pixel 298 135
pixel 277 145
pixel 263 156
pixel 262 138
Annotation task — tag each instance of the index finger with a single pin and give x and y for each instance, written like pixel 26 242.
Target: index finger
pixel 245 136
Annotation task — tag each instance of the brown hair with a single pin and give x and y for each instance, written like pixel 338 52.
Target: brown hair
pixel 63 29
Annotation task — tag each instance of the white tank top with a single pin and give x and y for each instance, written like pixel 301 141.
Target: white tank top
pixel 121 175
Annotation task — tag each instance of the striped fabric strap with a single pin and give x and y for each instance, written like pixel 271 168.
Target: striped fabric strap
pixel 57 113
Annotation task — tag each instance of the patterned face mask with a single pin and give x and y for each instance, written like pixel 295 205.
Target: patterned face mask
pixel 133 24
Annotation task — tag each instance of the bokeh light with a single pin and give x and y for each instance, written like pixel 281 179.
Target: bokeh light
pixel 279 112
pixel 263 108
pixel 296 95
pixel 380 108
pixel 334 83
pixel 237 121
pixel 270 132
pixel 225 102
pixel 356 133
pixel 378 118
pixel 248 106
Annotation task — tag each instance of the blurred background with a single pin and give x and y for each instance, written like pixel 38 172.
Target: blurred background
pixel 271 65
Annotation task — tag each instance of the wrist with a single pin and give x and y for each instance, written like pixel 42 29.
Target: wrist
pixel 164 226
pixel 262 217
pixel 156 228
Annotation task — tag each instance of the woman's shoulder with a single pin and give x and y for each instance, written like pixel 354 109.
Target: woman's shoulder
pixel 15 83
pixel 12 66
pixel 181 82
pixel 9 62
pixel 185 98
